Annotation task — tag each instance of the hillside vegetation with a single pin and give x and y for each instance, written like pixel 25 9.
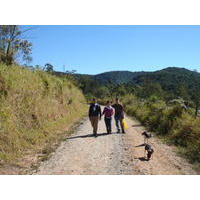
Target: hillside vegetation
pixel 171 122
pixel 116 77
pixel 167 77
pixel 35 107
pixel 176 81
pixel 170 83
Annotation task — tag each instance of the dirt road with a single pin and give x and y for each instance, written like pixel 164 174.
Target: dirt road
pixel 82 153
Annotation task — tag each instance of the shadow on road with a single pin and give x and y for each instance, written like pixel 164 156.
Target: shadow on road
pixel 136 125
pixel 141 145
pixel 143 159
pixel 88 135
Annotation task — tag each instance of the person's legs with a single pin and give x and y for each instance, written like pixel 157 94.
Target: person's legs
pixel 107 125
pixel 110 125
pixel 92 122
pixel 117 123
pixel 96 120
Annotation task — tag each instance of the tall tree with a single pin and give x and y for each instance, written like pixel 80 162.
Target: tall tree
pixel 12 44
pixel 49 67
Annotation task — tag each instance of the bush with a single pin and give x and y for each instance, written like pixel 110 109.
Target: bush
pixel 186 131
pixel 172 122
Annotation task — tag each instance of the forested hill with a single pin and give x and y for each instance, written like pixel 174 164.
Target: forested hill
pixel 167 78
pixel 171 78
pixel 117 77
pixel 174 81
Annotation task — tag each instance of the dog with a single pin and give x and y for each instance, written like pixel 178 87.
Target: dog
pixel 149 150
pixel 147 136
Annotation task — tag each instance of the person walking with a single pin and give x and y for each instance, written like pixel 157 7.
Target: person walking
pixel 108 112
pixel 94 115
pixel 119 115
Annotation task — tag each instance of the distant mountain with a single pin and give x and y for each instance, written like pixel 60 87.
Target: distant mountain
pixel 166 77
pixel 116 77
pixel 171 77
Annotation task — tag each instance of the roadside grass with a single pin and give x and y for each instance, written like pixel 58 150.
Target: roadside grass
pixel 47 151
pixel 172 124
pixel 35 108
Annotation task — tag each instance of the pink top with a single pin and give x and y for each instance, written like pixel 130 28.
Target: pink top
pixel 108 111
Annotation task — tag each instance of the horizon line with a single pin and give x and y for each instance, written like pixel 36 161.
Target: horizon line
pixel 194 70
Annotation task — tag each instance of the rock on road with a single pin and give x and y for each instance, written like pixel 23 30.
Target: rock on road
pixel 112 154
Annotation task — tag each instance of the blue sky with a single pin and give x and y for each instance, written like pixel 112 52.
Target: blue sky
pixel 96 49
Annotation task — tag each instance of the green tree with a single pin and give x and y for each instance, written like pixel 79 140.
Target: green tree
pixel 102 92
pixel 88 85
pixel 150 88
pixel 49 67
pixel 182 91
pixel 13 45
pixel 121 90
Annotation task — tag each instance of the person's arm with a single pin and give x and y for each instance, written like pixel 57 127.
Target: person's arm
pixel 122 112
pixel 100 114
pixel 89 112
pixel 112 112
pixel 103 111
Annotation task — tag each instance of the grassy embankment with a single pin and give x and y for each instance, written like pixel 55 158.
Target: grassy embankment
pixel 35 108
pixel 171 123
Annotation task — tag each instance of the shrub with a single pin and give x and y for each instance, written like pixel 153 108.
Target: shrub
pixel 173 122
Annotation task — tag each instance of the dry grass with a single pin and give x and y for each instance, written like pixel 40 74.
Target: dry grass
pixel 34 109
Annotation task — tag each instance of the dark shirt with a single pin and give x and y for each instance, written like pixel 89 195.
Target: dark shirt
pixel 94 110
pixel 119 110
